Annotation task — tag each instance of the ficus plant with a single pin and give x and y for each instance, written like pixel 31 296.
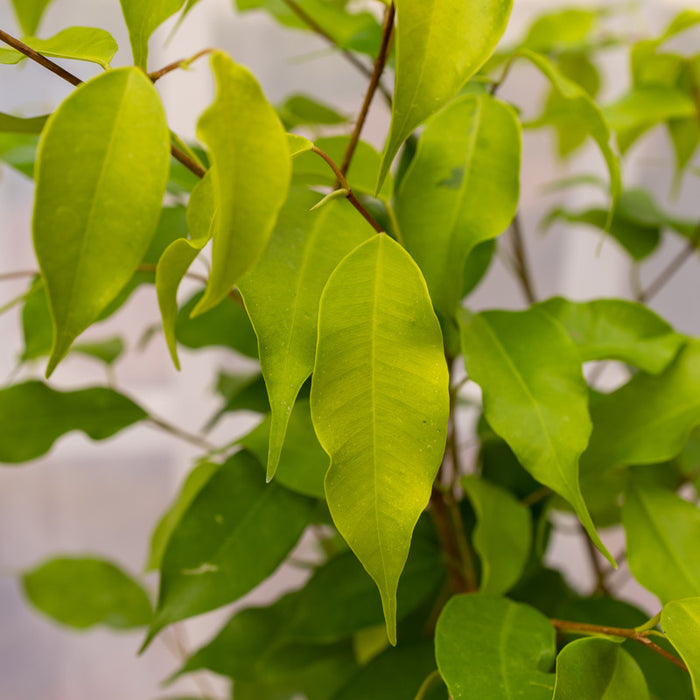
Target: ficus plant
pixel 348 273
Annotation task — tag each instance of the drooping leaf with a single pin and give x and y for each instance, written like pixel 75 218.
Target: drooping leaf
pixel 680 620
pixel 282 295
pixel 10 124
pixel 490 648
pixel 302 110
pixel 101 175
pixel 440 44
pixel 461 189
pixel 195 482
pixel 649 419
pixel 29 13
pixel 250 172
pixel 662 534
pixel 82 593
pixel 615 329
pixel 77 43
pixel 33 416
pixel 535 396
pixel 142 19
pixel 218 550
pixel 591 669
pixel 380 413
pixel 503 534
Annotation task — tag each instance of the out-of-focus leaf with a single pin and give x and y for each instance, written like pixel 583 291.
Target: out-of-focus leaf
pixel 561 30
pixel 29 13
pixel 302 110
pixel 10 124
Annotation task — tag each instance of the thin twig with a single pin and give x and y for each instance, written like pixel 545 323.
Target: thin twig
pixel 600 585
pixel 448 542
pixel 523 273
pixel 74 80
pixel 536 496
pixel 193 439
pixel 351 58
pixel 17 274
pixel 379 63
pixel 182 63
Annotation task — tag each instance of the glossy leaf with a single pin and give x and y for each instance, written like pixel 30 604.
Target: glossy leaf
pixel 29 13
pixel 614 329
pixel 33 416
pixel 593 669
pixel 98 196
pixel 142 19
pixel 680 620
pixel 251 169
pixel 218 550
pixel 649 419
pixel 282 295
pixel 662 534
pixel 535 396
pixel 490 648
pixel 440 44
pixel 77 43
pixel 503 534
pixel 83 592
pixel 379 403
pixel 461 189
pixel 10 124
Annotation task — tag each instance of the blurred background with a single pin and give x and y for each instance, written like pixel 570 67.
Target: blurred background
pixel 105 499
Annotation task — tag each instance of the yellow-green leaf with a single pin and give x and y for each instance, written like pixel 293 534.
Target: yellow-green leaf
pixel 29 13
pixel 379 403
pixel 101 174
pixel 440 44
pixel 251 170
pixel 680 620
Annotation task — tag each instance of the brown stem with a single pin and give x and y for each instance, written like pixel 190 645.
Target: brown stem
pixel 349 196
pixel 642 637
pixel 523 273
pixel 182 63
pixel 379 63
pixel 74 80
pixel 18 274
pixel 303 15
pixel 600 586
pixel 536 496
pixel 448 542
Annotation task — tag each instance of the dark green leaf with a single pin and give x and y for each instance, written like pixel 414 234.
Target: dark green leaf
pixel 10 124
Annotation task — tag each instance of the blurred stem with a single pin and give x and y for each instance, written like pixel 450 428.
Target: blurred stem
pixel 522 269
pixel 600 584
pixel 427 684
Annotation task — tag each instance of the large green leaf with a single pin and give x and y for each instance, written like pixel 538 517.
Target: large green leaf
pixel 101 176
pixel 615 329
pixel 33 416
pixel 490 648
pixel 440 44
pixel 282 295
pixel 680 620
pixel 251 170
pixel 662 535
pixel 649 419
pixel 535 396
pixel 85 592
pixel 461 189
pixel 142 19
pixel 77 43
pixel 379 402
pixel 29 13
pixel 503 534
pixel 598 669
pixel 233 535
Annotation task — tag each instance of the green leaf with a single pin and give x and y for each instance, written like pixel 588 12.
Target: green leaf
pixel 29 13
pixel 615 329
pixel 489 648
pixel 142 19
pixel 582 109
pixel 303 463
pixel 33 416
pixel 298 145
pixel 251 169
pixel 195 482
pixel 649 419
pixel 440 44
pixel 218 550
pixel 535 396
pixel 662 534
pixel 82 593
pixel 282 295
pixel 77 43
pixel 19 151
pixel 10 124
pixel 242 392
pixel 591 669
pixel 562 30
pixel 180 254
pixel 461 188
pixel 101 175
pixel 503 534
pixel 379 403
pixel 302 110
pixel 680 620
